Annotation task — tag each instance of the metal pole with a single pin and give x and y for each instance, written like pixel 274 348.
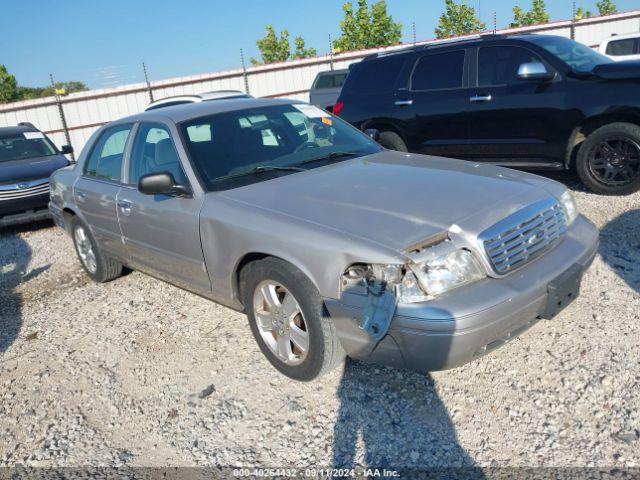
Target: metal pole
pixel 244 73
pixel 62 117
pixel 413 26
pixel 573 22
pixel 146 79
pixel 495 22
pixel 330 53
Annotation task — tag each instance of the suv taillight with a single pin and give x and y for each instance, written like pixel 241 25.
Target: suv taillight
pixel 337 108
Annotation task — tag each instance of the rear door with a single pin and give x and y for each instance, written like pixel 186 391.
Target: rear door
pixel 516 121
pixel 162 232
pixel 437 102
pixel 96 190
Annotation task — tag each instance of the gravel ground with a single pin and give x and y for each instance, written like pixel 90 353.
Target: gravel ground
pixel 139 373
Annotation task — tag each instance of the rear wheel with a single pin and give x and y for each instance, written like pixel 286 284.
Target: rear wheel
pixel 286 316
pixel 98 266
pixel 609 159
pixel 392 141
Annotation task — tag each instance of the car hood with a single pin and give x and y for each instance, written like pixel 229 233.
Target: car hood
pixel 396 199
pixel 31 168
pixel 627 69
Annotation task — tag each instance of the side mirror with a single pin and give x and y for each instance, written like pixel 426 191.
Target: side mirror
pixel 66 149
pixel 161 183
pixel 535 71
pixel 373 133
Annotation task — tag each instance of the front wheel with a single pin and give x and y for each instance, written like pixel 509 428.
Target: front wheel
pixel 609 159
pixel 286 317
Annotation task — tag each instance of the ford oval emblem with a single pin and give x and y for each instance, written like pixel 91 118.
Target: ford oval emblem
pixel 23 186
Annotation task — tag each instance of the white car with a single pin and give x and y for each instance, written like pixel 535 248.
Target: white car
pixel 622 47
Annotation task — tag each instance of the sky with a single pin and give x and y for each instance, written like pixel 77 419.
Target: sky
pixel 103 43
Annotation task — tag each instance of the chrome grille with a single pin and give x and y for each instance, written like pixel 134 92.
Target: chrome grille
pixel 525 235
pixel 24 190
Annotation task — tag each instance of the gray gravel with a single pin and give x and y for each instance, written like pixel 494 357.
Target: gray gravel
pixel 139 373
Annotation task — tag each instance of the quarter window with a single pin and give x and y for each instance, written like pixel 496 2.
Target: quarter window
pixel 499 65
pixel 154 152
pixel 625 46
pixel 438 71
pixel 105 160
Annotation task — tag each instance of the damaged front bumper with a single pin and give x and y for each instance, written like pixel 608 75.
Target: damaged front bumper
pixel 470 321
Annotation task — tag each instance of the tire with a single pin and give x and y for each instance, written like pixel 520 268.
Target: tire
pixel 594 165
pixel 323 350
pixel 103 268
pixel 392 141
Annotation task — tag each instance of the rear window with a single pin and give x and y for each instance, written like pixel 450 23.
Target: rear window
pixel 438 71
pixel 376 76
pixel 330 81
pixel 621 47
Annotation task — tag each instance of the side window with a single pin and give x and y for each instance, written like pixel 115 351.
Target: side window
pixel 499 65
pixel 621 47
pixel 376 76
pixel 154 152
pixel 105 160
pixel 438 71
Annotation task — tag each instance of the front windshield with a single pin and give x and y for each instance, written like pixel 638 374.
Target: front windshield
pixel 247 143
pixel 22 145
pixel 578 56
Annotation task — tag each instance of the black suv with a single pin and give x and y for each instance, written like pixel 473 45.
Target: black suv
pixel 528 101
pixel 27 159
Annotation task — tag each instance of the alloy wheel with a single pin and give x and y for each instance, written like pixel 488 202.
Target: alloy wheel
pixel 281 322
pixel 85 249
pixel 615 161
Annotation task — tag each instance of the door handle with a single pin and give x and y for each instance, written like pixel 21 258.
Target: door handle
pixel 124 206
pixel 81 195
pixel 403 103
pixel 480 98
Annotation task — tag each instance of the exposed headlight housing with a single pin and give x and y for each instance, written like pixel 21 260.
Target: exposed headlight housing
pixel 569 206
pixel 446 272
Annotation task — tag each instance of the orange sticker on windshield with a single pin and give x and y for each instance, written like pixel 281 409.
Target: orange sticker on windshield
pixel 327 121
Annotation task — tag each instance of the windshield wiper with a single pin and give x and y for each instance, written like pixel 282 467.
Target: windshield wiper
pixel 281 168
pixel 330 156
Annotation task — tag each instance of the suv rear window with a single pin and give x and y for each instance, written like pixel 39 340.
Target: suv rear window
pixel 330 81
pixel 375 76
pixel 625 46
pixel 438 71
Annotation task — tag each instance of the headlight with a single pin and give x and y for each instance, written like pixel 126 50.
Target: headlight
pixel 570 207
pixel 446 272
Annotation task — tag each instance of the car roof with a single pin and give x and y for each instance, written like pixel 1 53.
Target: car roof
pixel 198 97
pixel 622 37
pixel 188 111
pixel 17 129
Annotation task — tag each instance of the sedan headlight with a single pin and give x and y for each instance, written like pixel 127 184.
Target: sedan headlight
pixel 446 272
pixel 569 206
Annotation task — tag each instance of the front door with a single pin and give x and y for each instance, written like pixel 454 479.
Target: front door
pixel 513 120
pixel 438 103
pixel 96 190
pixel 162 232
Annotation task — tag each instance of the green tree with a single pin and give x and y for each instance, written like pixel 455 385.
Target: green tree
pixel 301 50
pixel 537 14
pixel 367 27
pixel 273 49
pixel 8 86
pixel 27 93
pixel 582 13
pixel 458 19
pixel 606 7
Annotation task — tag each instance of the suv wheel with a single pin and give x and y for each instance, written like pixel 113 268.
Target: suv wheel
pixel 98 266
pixel 286 317
pixel 609 159
pixel 392 141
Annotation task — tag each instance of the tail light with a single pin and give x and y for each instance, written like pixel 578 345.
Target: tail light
pixel 337 108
